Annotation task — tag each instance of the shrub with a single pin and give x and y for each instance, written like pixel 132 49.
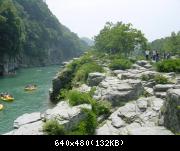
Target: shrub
pixel 87 126
pixel 92 91
pixel 160 79
pixel 121 64
pixel 172 65
pixel 82 73
pixel 100 108
pixel 76 98
pixel 63 94
pixel 52 127
pixel 140 58
pixel 145 77
pixel 178 107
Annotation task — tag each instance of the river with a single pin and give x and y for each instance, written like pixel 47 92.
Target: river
pixel 25 102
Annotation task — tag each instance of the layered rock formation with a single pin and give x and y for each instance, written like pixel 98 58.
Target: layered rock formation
pixel 136 107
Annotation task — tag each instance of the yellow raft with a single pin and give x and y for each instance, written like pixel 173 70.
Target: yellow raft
pixel 30 89
pixel 1 107
pixel 7 98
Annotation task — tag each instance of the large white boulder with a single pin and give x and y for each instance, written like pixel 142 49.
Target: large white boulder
pixel 28 129
pixel 27 119
pixel 66 114
pixel 116 91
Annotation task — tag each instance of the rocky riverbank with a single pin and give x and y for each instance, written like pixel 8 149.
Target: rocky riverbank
pixel 140 106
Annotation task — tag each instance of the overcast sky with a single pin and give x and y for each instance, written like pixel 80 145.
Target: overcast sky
pixel 156 18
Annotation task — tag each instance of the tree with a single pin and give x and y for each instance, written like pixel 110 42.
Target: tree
pixel 11 29
pixel 119 38
pixel 167 44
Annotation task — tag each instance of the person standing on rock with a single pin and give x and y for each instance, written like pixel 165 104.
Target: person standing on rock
pixel 147 54
pixel 164 55
pixel 154 55
pixel 168 56
pixel 157 56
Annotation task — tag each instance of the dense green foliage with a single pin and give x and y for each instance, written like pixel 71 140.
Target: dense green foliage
pixel 52 127
pixel 119 38
pixel 172 65
pixel 145 77
pixel 160 79
pixel 11 29
pixel 29 26
pixel 76 98
pixel 101 108
pixel 168 44
pixel 87 126
pixel 120 64
pixel 83 72
pixel 79 69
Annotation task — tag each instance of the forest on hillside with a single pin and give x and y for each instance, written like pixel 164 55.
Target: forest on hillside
pixel 167 44
pixel 32 35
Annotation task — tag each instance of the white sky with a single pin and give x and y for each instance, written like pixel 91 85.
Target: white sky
pixel 156 18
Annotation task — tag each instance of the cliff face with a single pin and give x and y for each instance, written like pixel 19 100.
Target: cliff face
pixel 8 65
pixel 34 36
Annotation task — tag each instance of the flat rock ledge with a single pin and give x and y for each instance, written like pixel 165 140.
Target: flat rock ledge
pixel 116 91
pixel 31 124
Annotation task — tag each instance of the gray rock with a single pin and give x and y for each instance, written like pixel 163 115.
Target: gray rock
pixel 125 130
pixel 148 66
pixel 128 112
pixel 142 63
pixel 171 110
pixel 117 122
pixel 129 75
pixel 178 80
pixel 29 129
pixel 116 72
pixel 161 95
pixel 156 104
pixel 116 91
pixel 10 133
pixel 163 87
pixel 95 78
pixel 177 86
pixel 26 119
pixel 142 104
pixel 171 74
pixel 107 129
pixel 142 113
pixel 149 131
pixel 150 74
pixel 149 91
pixel 84 88
pixel 135 66
pixel 66 115
pixel 149 84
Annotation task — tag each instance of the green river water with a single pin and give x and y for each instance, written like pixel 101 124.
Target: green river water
pixel 25 102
